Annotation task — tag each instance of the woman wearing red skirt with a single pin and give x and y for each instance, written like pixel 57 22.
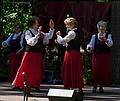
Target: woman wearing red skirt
pixel 14 43
pixel 32 62
pixel 72 64
pixel 101 58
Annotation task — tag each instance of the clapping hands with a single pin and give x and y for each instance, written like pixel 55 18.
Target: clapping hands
pixel 58 33
pixel 40 33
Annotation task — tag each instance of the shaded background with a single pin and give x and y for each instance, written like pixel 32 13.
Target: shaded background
pixel 87 13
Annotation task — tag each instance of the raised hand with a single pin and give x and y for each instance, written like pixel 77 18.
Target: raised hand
pixel 4 44
pixel 51 24
pixel 40 29
pixel 58 33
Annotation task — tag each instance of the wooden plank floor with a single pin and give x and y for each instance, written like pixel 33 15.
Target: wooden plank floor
pixel 8 94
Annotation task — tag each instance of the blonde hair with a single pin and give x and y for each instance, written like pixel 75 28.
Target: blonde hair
pixel 71 20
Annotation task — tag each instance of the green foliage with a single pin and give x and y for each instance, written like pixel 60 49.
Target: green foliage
pixel 86 57
pixel 11 13
pixel 15 12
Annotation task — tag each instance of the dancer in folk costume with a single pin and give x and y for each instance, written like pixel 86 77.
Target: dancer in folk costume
pixel 32 62
pixel 14 43
pixel 72 63
pixel 99 45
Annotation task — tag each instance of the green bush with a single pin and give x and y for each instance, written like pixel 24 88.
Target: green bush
pixel 11 13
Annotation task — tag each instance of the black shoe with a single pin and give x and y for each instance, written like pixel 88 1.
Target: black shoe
pixel 37 88
pixel 16 88
pixel 30 95
pixel 94 90
pixel 101 90
pixel 81 93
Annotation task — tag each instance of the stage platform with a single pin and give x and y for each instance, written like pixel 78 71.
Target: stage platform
pixel 8 94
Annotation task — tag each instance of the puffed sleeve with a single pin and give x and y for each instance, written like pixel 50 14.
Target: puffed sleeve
pixel 109 41
pixel 31 40
pixel 6 42
pixel 48 36
pixel 90 46
pixel 71 35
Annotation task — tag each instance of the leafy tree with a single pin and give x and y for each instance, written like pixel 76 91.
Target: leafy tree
pixel 15 12
pixel 11 13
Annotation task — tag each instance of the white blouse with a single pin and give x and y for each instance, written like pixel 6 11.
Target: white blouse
pixel 70 35
pixel 33 40
pixel 91 44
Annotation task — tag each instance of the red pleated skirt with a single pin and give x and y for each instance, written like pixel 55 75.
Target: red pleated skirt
pixel 72 70
pixel 32 65
pixel 13 64
pixel 101 69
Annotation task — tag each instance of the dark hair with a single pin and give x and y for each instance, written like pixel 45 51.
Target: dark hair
pixel 32 20
pixel 18 25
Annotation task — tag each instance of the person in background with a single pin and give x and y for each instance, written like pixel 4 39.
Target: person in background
pixel 14 43
pixel 100 45
pixel 72 63
pixel 32 62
